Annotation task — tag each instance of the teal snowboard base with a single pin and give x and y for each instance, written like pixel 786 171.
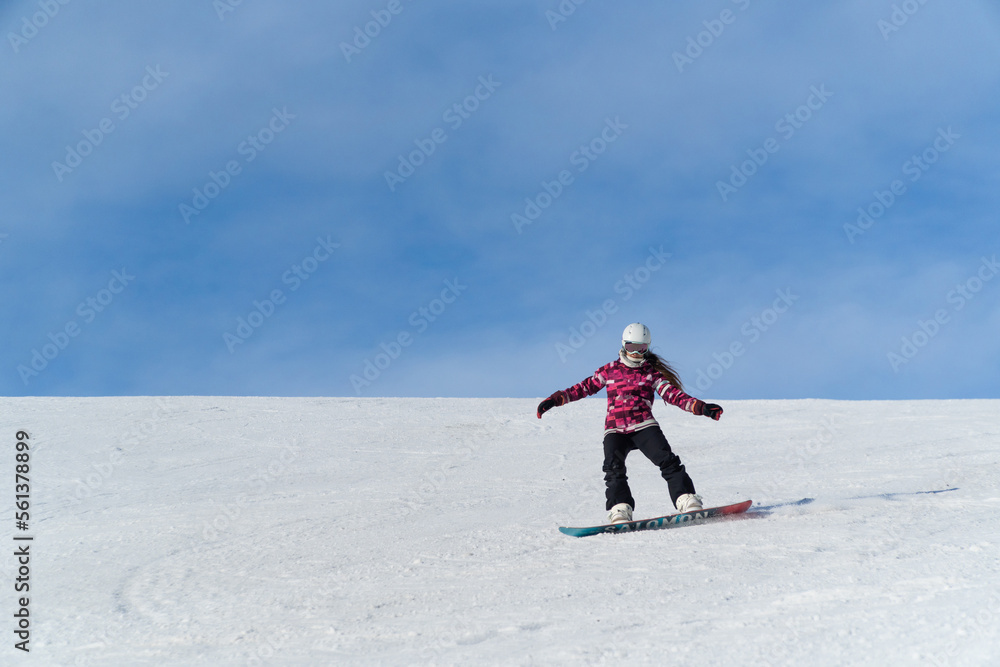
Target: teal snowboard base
pixel 669 521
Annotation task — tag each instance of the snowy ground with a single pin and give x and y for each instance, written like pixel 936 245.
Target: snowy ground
pixel 249 531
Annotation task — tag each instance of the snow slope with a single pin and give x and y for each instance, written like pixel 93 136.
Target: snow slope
pixel 250 531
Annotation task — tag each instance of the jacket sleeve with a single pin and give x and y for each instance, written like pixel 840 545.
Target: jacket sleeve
pixel 674 396
pixel 588 387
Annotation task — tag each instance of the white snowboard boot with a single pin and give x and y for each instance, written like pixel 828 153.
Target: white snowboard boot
pixel 620 513
pixel 688 502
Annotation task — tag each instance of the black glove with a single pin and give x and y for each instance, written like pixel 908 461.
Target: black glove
pixel 558 398
pixel 710 410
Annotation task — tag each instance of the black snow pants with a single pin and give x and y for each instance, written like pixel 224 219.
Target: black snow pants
pixel 651 442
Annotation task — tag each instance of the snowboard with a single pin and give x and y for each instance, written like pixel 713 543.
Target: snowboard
pixel 669 521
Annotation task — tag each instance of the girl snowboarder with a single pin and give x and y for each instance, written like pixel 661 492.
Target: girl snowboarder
pixel 631 381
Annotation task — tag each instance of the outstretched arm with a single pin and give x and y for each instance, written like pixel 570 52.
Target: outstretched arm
pixel 710 410
pixel 558 398
pixel 588 387
pixel 675 396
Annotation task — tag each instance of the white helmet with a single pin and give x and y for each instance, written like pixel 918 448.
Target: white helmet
pixel 635 340
pixel 636 333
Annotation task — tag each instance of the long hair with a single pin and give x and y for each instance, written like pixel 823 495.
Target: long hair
pixel 664 368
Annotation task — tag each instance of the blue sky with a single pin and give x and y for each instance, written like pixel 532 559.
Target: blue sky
pixel 626 126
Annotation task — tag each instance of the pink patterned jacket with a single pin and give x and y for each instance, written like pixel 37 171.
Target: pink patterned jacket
pixel 630 395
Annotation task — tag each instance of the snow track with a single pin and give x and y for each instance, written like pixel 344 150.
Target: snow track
pixel 249 531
